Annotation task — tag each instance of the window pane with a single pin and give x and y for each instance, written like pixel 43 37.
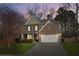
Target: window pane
pixel 28 28
pixel 36 28
pixel 29 36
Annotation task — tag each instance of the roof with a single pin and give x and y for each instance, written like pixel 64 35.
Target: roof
pixel 33 20
pixel 44 21
pixel 49 28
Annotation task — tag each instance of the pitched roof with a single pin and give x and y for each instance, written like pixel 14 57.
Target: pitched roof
pixel 44 21
pixel 33 20
pixel 49 28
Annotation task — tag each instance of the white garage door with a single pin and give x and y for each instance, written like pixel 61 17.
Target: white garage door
pixel 49 38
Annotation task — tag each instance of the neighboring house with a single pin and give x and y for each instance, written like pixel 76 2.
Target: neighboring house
pixel 41 30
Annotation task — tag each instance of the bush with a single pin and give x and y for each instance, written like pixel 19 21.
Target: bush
pixel 27 41
pixel 17 40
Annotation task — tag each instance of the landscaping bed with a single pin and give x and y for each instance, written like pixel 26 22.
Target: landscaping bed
pixel 72 48
pixel 27 41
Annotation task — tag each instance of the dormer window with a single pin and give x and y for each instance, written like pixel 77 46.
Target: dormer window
pixel 36 28
pixel 28 28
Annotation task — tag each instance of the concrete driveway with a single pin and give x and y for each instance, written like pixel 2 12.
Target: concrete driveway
pixel 47 49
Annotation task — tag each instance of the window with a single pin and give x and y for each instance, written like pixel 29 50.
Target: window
pixel 36 28
pixel 29 36
pixel 28 28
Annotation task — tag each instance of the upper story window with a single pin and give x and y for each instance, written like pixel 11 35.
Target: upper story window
pixel 36 28
pixel 28 28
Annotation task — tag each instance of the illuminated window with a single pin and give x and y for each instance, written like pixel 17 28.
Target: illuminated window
pixel 29 36
pixel 36 28
pixel 28 28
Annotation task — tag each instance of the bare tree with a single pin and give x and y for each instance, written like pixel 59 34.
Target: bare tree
pixel 33 10
pixel 11 20
pixel 77 8
pixel 52 13
pixel 66 5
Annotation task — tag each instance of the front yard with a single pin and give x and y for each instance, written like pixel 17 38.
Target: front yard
pixel 72 48
pixel 16 49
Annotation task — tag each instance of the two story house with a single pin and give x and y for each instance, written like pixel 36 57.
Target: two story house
pixel 41 30
pixel 32 26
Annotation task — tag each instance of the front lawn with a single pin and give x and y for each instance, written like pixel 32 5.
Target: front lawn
pixel 72 48
pixel 16 49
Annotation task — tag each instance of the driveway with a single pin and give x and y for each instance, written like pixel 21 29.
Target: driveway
pixel 47 49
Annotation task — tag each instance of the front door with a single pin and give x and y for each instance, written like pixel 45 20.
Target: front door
pixel 36 37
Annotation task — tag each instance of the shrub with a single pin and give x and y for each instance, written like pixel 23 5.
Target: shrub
pixel 17 40
pixel 27 41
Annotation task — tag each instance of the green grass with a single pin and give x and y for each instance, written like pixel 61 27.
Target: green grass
pixel 72 48
pixel 16 49
pixel 23 47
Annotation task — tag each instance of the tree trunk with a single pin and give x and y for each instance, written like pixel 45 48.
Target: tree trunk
pixel 76 20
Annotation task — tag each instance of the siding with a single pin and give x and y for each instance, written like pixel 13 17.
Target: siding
pixel 50 28
pixel 32 27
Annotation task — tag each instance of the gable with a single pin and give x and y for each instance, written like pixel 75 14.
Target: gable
pixel 50 28
pixel 45 25
pixel 33 20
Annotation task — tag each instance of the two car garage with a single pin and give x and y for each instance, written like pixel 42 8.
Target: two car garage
pixel 50 33
pixel 49 38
